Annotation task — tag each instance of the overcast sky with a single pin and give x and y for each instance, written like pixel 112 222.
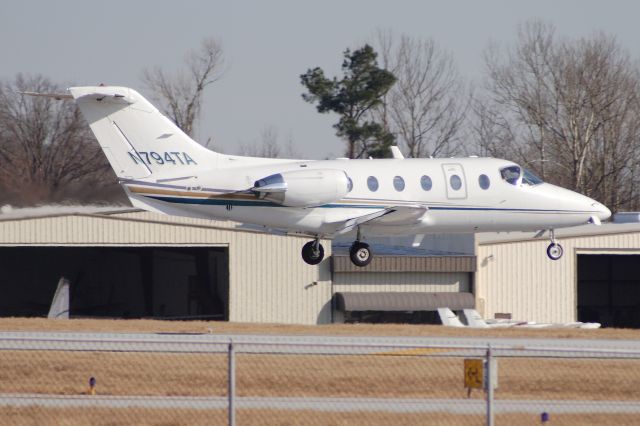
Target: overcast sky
pixel 268 44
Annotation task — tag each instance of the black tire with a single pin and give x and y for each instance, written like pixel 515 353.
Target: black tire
pixel 312 256
pixel 554 251
pixel 360 254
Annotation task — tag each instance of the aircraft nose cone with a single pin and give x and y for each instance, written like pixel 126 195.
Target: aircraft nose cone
pixel 603 212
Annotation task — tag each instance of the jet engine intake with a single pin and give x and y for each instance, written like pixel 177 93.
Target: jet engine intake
pixel 303 188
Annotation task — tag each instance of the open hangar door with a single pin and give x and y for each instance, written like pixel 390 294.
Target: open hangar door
pixel 609 289
pixel 121 282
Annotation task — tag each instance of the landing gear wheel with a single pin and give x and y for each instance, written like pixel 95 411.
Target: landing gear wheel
pixel 312 253
pixel 554 251
pixel 360 254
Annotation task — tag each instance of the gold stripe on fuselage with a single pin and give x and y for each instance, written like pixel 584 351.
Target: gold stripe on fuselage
pixel 145 190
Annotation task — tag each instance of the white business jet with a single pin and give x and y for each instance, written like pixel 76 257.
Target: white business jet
pixel 163 170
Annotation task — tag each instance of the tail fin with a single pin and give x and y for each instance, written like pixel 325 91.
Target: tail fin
pixel 474 319
pixel 60 304
pixel 449 318
pixel 136 138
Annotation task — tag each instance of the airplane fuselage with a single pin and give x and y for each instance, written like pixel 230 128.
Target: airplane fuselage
pixel 460 194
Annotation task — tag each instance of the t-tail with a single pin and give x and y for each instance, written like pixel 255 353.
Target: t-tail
pixel 449 318
pixel 136 138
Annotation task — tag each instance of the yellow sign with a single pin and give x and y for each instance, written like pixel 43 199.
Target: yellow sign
pixel 473 373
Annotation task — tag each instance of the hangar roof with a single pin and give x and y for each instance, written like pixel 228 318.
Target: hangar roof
pixel 122 213
pixel 13 213
pixel 609 228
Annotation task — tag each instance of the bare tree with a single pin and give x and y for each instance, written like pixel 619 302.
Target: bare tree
pixel 47 151
pixel 269 145
pixel 181 94
pixel 567 109
pixel 426 107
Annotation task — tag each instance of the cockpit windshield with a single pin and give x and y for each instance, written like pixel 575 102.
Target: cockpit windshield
pixel 512 175
pixel 529 178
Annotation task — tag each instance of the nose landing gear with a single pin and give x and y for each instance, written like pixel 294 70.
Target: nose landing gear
pixel 554 250
pixel 313 252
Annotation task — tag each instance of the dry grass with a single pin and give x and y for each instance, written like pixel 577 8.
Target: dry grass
pixel 156 326
pixel 118 373
pixel 100 416
pixel 67 373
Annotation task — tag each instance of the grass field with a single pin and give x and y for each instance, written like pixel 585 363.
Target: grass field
pixel 390 374
pixel 155 326
pixel 77 417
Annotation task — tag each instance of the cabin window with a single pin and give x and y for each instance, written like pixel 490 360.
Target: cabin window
pixel 425 182
pixel 484 181
pixel 529 178
pixel 372 183
pixel 511 174
pixel 398 183
pixel 349 184
pixel 456 182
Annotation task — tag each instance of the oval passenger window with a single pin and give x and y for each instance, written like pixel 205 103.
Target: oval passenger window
pixel 456 182
pixel 484 181
pixel 398 183
pixel 372 184
pixel 425 182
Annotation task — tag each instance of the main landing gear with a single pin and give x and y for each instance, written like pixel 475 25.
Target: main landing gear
pixel 360 253
pixel 554 250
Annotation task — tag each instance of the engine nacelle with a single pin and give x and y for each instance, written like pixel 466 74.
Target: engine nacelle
pixel 303 188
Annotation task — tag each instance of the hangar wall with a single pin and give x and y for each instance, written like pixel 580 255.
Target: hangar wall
pixel 515 275
pixel 301 293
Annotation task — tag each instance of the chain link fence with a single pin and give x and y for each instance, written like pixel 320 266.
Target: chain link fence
pixel 206 379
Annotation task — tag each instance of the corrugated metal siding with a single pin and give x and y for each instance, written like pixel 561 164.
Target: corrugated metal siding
pixel 517 277
pixel 272 284
pixel 268 282
pixel 401 282
pixel 408 264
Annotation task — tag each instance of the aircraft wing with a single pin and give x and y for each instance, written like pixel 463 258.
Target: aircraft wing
pixel 395 215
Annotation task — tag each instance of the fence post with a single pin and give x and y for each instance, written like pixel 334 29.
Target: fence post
pixel 489 387
pixel 231 381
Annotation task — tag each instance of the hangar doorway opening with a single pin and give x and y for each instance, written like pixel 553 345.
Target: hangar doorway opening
pixel 609 289
pixel 121 282
pixel 399 308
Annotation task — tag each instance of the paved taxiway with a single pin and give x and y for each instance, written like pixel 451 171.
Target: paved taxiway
pixel 396 405
pixel 246 343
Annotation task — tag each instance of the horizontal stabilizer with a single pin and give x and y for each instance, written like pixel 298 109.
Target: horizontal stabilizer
pixel 98 96
pixel 56 96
